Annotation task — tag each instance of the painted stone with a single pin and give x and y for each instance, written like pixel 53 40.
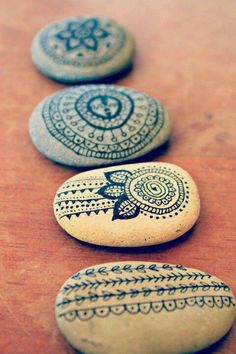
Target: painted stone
pixel 82 49
pixel 142 307
pixel 127 206
pixel 92 125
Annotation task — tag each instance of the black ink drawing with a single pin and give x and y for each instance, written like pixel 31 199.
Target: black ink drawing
pixel 103 122
pixel 128 287
pixel 82 41
pixel 83 34
pixel 148 190
pixel 128 269
pixel 146 307
pixel 95 284
pixel 156 192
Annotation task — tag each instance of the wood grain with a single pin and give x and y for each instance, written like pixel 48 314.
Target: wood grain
pixel 186 55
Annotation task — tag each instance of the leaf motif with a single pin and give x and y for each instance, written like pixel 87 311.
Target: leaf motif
pixel 194 287
pixel 74 25
pixel 181 267
pixel 95 284
pixel 160 290
pixel 134 293
pixel 167 267
pixel 224 286
pixel 111 191
pixel 92 296
pixel 90 43
pixel 65 302
pixel 79 299
pixel 153 267
pixel 121 294
pixel 76 276
pixel 90 272
pixel 102 270
pixel 183 288
pixel 205 286
pixel 107 282
pixel 118 177
pixel 128 268
pixel 146 291
pixel 141 268
pixel 107 295
pixel 68 288
pixel 91 23
pixel 116 269
pixel 73 43
pixel 172 289
pixel 63 34
pixel 125 209
pixel 100 33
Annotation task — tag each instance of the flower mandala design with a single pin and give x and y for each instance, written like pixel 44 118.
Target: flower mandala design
pixel 149 190
pixel 82 34
pixel 83 41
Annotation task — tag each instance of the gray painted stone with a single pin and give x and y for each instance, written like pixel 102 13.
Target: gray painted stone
pixel 82 49
pixel 95 125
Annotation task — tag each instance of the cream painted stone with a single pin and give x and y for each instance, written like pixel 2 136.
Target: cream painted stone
pixel 129 205
pixel 94 125
pixel 82 49
pixel 143 308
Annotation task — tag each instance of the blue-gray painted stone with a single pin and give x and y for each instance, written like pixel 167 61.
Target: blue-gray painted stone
pixel 95 125
pixel 82 49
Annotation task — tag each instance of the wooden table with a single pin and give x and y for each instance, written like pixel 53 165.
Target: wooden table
pixel 186 56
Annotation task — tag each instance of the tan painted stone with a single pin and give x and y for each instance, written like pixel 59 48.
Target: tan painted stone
pixel 129 205
pixel 143 308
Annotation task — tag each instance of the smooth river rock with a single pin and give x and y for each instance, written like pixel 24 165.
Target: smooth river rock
pixel 82 49
pixel 129 205
pixel 92 125
pixel 143 308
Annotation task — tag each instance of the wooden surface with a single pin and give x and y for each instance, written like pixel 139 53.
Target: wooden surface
pixel 186 56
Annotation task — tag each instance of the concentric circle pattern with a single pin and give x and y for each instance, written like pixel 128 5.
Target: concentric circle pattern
pixel 103 121
pixel 156 190
pixel 105 110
